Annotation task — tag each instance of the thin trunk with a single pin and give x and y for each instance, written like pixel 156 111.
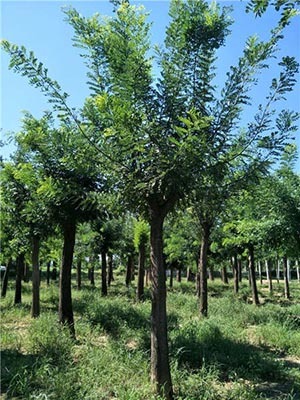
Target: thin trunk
pixel 92 275
pixel 160 367
pixel 103 274
pixel 189 275
pixel 26 272
pixel 240 270
pixel 141 272
pixel 285 277
pixel 298 271
pixel 289 274
pixel 224 275
pixel 35 309
pixel 132 267
pixel 147 276
pixel 48 273
pixel 128 270
pixel 203 300
pixel 235 273
pixel 269 275
pixel 171 276
pixel 65 310
pixel 198 284
pixel 278 270
pixel 260 272
pixel 5 279
pixel 255 299
pixel 19 274
pixel 178 274
pixel 110 278
pixel 78 272
pixel 211 273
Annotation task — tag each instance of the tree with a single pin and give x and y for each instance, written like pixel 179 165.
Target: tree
pixel 157 134
pixel 141 239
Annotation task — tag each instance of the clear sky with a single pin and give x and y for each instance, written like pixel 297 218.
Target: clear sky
pixel 40 26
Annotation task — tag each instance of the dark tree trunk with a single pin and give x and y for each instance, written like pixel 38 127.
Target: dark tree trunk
pixel 110 278
pixel 171 276
pixel 160 367
pixel 35 309
pixel 92 275
pixel 132 269
pixel 203 300
pixel 141 272
pixel 128 270
pixel 260 272
pixel 286 278
pixel 48 273
pixel 19 274
pixel 65 291
pixel 198 284
pixel 278 270
pixel 103 274
pixel 269 275
pixel 255 299
pixel 78 273
pixel 235 274
pixel 240 270
pixel 26 272
pixel 224 275
pixel 5 279
pixel 190 277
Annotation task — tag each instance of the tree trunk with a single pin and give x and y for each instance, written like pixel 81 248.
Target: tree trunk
pixel 278 270
pixel 286 279
pixel 147 276
pixel 19 274
pixel 203 303
pixel 260 272
pixel 110 278
pixel 5 279
pixel 289 274
pixel 298 271
pixel 224 275
pixel 240 270
pixel 92 275
pixel 141 272
pixel 269 275
pixel 78 272
pixel 160 367
pixel 26 272
pixel 103 274
pixel 48 273
pixel 65 310
pixel 211 273
pixel 171 276
pixel 178 274
pixel 255 299
pixel 35 309
pixel 128 270
pixel 235 274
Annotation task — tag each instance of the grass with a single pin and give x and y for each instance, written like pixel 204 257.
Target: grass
pixel 240 352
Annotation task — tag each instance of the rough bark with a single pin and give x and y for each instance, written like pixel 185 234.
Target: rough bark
pixel 5 279
pixel 269 275
pixel 235 268
pixel 141 272
pixel 78 273
pixel 19 274
pixel 35 308
pixel 103 274
pixel 65 310
pixel 110 278
pixel 286 279
pixel 255 299
pixel 160 367
pixel 203 299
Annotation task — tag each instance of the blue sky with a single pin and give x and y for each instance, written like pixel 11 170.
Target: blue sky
pixel 40 26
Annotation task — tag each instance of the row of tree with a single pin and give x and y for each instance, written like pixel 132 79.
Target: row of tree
pixel 150 146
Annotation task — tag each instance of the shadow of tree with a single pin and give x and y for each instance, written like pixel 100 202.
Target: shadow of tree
pixel 14 362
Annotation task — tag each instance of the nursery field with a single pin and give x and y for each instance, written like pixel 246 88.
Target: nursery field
pixel 240 352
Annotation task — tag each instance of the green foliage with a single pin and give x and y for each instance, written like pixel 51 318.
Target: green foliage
pixel 141 233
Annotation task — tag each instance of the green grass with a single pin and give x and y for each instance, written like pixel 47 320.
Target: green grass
pixel 240 352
